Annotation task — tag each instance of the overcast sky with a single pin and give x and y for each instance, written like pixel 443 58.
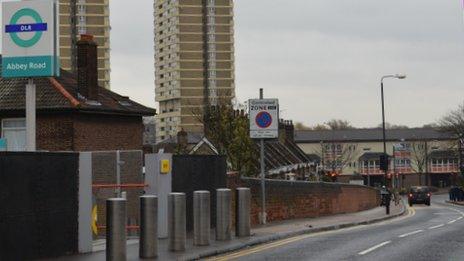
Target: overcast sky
pixel 322 59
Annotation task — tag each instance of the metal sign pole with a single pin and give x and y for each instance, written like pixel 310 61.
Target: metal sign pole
pixel 32 55
pixel 30 115
pixel 118 172
pixel 263 181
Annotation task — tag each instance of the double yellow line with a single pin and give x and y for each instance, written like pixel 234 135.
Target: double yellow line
pixel 275 244
pixel 411 212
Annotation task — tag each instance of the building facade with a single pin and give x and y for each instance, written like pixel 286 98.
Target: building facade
pixel 73 113
pixel 194 61
pixel 416 156
pixel 85 17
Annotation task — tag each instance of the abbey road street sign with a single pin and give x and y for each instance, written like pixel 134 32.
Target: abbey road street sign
pixel 264 118
pixel 30 46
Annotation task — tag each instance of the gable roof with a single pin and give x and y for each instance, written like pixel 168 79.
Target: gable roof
pixel 374 134
pixel 61 93
pixel 192 138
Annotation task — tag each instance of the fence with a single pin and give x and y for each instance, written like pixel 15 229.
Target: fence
pixel 38 205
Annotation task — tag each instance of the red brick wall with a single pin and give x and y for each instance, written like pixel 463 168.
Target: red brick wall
pixel 293 200
pixel 106 132
pixel 55 132
pixel 68 131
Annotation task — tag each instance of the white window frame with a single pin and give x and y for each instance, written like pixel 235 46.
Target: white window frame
pixel 11 128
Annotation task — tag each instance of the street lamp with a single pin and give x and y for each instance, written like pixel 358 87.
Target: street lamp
pixel 385 163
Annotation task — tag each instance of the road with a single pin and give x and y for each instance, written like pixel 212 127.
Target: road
pixel 425 233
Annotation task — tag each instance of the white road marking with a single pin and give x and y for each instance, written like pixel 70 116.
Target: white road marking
pixel 374 248
pixel 452 221
pixel 459 218
pixel 411 233
pixel 437 226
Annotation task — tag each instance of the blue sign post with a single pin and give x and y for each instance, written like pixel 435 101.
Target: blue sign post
pixel 2 144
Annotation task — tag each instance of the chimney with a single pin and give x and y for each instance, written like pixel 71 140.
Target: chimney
pixel 87 69
pixel 290 131
pixel 182 138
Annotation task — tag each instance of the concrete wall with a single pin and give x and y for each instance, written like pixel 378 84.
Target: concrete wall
pixel 298 199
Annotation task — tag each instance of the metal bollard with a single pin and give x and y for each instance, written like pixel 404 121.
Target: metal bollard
pixel 242 214
pixel 116 229
pixel 148 247
pixel 177 225
pixel 201 218
pixel 223 214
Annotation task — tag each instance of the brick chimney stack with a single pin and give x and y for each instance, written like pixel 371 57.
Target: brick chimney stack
pixel 182 138
pixel 87 67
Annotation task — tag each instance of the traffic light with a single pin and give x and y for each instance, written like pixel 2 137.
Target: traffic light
pixel 384 162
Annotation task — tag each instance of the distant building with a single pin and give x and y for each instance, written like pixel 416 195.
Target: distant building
pixel 73 114
pixel 194 61
pixel 149 133
pixel 418 156
pixel 85 17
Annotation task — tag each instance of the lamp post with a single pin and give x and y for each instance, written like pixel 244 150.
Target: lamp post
pixel 396 76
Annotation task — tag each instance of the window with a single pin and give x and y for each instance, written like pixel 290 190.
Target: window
pixel 14 131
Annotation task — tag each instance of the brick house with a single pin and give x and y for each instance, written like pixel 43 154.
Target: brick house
pixel 73 113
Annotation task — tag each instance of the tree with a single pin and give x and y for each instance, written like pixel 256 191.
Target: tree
pixel 302 126
pixel 390 126
pixel 335 157
pixel 228 130
pixel 337 124
pixel 453 122
pixel 419 157
pixel 430 126
pixel 320 127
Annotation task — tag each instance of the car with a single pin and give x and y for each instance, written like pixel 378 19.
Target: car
pixel 419 194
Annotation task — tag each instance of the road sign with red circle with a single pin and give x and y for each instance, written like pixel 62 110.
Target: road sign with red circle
pixel 264 118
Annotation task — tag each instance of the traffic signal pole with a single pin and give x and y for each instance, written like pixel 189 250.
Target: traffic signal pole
pixel 383 136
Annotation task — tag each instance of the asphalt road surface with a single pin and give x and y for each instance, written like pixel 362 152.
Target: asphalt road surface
pixel 425 233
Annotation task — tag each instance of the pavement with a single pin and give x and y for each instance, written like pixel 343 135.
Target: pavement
pixel 460 203
pixel 425 233
pixel 272 232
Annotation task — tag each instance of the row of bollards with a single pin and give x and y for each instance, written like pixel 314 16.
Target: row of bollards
pixel 177 226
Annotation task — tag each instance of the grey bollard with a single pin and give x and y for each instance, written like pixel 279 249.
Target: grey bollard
pixel 223 214
pixel 177 225
pixel 242 214
pixel 148 247
pixel 201 218
pixel 116 229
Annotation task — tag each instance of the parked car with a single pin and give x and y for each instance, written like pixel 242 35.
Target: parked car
pixel 419 194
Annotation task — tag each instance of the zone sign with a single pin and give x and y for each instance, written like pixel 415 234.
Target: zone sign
pixel 264 118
